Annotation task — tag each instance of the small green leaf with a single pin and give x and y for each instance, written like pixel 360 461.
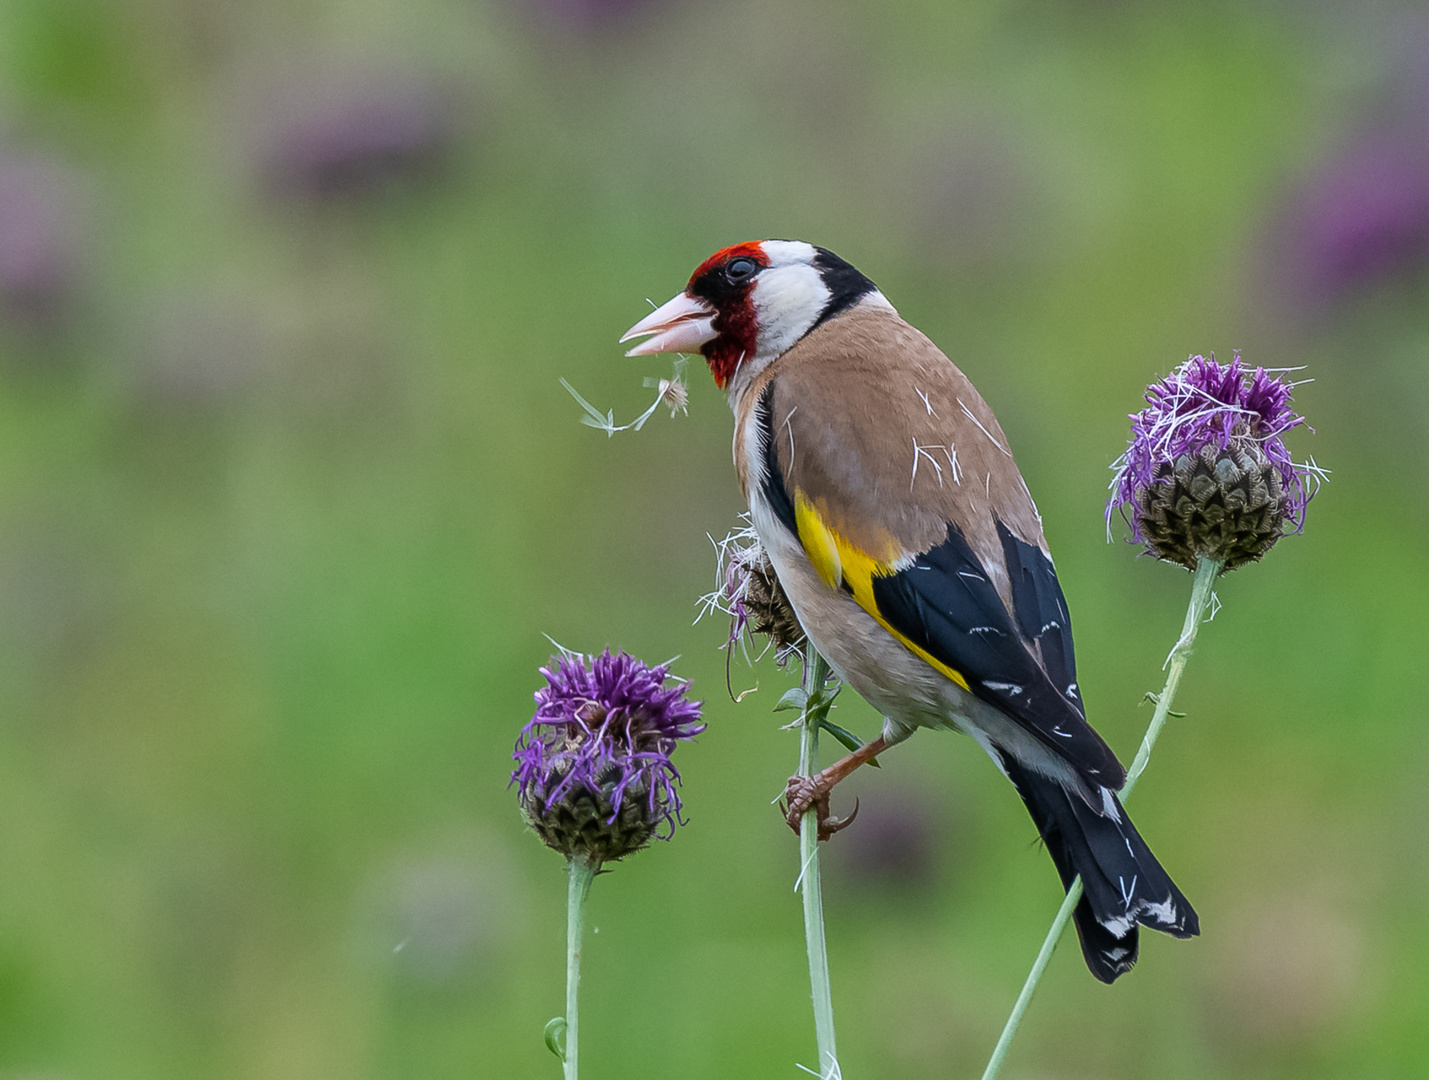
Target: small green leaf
pixel 1155 699
pixel 794 698
pixel 848 738
pixel 555 1036
pixel 843 735
pixel 821 701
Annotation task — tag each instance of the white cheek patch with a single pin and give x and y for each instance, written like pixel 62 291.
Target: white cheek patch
pixel 788 300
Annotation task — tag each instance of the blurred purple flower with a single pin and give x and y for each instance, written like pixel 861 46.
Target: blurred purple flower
pixel 1206 472
pixel 582 14
pixel 354 136
pixel 39 248
pixel 895 845
pixel 1361 217
pixel 593 764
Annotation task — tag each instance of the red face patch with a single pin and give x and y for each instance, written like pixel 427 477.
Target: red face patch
pixel 728 292
pixel 751 250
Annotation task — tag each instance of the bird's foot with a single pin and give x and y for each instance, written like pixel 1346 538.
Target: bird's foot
pixel 804 793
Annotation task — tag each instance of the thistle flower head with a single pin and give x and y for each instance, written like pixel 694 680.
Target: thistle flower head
pixel 1206 472
pixel 748 591
pixel 593 764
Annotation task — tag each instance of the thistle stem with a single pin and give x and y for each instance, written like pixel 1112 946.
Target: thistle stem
pixel 1206 572
pixel 816 671
pixel 582 873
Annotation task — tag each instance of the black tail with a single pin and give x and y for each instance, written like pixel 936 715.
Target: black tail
pixel 1124 884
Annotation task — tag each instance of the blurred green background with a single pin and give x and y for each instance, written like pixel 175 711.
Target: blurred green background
pixel 289 494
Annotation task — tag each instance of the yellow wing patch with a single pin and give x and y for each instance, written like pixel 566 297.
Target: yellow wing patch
pixel 842 565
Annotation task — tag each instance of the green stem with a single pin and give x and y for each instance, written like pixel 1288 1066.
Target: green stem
pixel 582 873
pixel 1206 571
pixel 816 671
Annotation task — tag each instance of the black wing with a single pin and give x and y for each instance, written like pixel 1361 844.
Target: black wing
pixel 1041 612
pixel 946 604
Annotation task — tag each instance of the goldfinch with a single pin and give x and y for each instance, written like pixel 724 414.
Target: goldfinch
pixel 887 498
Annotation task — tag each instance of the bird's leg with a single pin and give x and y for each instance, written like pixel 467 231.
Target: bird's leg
pixel 804 792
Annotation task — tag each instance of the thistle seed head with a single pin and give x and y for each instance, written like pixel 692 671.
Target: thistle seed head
pixel 1227 504
pixel 1206 472
pixel 749 592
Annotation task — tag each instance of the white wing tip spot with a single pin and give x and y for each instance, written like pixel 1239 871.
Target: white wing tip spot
pixel 1165 912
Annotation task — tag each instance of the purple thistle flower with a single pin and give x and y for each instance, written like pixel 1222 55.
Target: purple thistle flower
pixel 1206 471
pixel 593 764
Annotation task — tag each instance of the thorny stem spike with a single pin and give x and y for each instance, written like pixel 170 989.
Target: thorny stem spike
pixel 1206 571
pixel 816 673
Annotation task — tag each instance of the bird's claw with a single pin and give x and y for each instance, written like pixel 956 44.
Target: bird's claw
pixel 830 825
pixel 804 793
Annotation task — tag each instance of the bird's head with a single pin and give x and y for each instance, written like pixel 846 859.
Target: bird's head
pixel 748 303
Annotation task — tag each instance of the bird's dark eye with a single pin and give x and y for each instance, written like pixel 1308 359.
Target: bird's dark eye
pixel 740 270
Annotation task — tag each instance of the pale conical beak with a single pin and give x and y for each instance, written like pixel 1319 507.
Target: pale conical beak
pixel 681 325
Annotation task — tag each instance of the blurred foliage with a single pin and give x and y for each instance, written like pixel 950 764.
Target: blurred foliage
pixel 291 493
